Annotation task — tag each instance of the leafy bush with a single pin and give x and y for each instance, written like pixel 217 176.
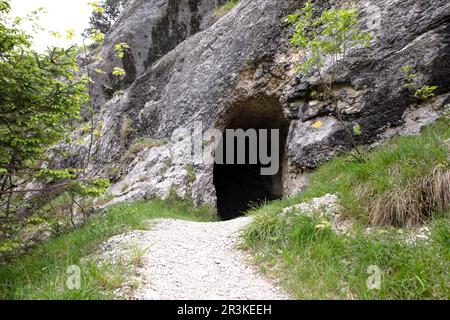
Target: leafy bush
pixel 42 95
pixel 118 72
pixel 104 14
pixel 426 92
pixel 414 81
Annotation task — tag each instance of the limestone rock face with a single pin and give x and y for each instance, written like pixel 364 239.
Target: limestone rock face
pixel 151 28
pixel 186 66
pixel 371 86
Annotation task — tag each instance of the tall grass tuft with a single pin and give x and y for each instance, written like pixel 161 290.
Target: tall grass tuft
pixel 413 204
pixel 400 184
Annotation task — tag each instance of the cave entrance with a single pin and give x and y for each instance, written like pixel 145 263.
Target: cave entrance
pixel 240 187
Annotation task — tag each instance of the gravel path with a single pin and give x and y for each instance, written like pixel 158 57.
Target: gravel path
pixel 192 260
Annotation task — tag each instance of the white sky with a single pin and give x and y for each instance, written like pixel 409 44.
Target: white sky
pixel 62 15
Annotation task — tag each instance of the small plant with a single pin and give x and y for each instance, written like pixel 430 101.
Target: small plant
pixel 97 36
pixel 426 92
pixel 190 174
pixel 414 81
pixel 118 72
pixel 126 129
pixel 409 74
pixel 357 130
pixel 327 37
pixel 125 187
pixel 99 71
pixel 316 95
pixel 112 171
pixel 137 255
pixel 120 49
pixel 140 145
pixel 225 8
pixel 8 249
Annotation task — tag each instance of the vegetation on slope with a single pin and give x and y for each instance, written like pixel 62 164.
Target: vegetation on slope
pixel 225 8
pixel 315 262
pixel 42 96
pixel 43 272
pixel 104 15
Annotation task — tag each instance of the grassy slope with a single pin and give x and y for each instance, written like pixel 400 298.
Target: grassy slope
pixel 316 263
pixel 311 263
pixel 41 274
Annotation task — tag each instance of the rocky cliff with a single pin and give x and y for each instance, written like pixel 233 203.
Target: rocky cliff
pixel 186 65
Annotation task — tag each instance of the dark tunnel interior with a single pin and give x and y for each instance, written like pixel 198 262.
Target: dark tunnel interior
pixel 240 187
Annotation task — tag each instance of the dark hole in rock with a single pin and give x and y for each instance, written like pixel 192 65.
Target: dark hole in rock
pixel 240 187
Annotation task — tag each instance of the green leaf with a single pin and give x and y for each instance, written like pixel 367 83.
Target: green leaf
pixel 357 129
pixel 118 72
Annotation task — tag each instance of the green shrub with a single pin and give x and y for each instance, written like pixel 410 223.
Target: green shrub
pixel 113 172
pixel 190 174
pixel 426 92
pixel 414 81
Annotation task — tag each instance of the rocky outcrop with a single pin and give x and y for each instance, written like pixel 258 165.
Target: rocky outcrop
pixel 184 66
pixel 151 28
pixel 326 209
pixel 371 86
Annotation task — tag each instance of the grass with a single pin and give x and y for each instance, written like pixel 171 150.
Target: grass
pixel 315 263
pixel 137 255
pixel 225 8
pixel 126 129
pixel 399 166
pixel 139 145
pixel 42 273
pixel 310 262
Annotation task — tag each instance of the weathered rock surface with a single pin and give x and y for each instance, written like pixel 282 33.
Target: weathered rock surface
pixel 371 90
pixel 151 28
pixel 326 207
pixel 183 66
